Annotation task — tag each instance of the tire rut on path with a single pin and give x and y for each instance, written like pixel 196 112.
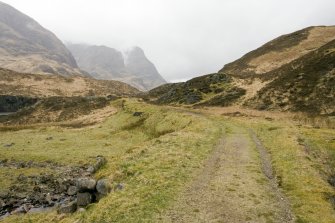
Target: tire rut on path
pixel 231 187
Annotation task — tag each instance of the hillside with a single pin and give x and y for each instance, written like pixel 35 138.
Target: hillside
pixel 106 63
pixel 35 85
pixel 294 72
pixel 25 46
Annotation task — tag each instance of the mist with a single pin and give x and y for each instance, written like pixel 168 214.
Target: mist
pixel 183 39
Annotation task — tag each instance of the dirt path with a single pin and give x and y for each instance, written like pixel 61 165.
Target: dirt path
pixel 235 185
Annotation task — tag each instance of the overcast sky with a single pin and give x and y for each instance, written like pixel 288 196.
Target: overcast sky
pixel 183 38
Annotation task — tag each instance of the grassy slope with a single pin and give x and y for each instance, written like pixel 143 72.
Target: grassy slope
pixel 302 176
pixel 153 156
pixel 39 85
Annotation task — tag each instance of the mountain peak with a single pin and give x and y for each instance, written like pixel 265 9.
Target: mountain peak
pixel 132 67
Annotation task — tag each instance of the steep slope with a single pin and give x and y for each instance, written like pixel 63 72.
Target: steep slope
pixel 109 64
pixel 294 72
pixel 35 85
pixel 305 84
pixel 25 46
pixel 279 52
pixel 100 61
pixel 139 65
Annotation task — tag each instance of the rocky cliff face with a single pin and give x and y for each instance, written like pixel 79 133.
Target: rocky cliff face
pixel 294 72
pixel 107 63
pixel 139 65
pixel 25 46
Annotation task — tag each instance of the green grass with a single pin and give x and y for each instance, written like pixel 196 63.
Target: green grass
pixel 301 175
pixel 153 155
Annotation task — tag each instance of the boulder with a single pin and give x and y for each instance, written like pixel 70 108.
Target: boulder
pixel 84 199
pixel 19 210
pixel 103 186
pixel 72 190
pixel 67 208
pixel 86 184
pixel 100 162
pixel 136 114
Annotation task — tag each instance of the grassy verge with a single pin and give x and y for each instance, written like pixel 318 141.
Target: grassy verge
pixel 301 174
pixel 153 155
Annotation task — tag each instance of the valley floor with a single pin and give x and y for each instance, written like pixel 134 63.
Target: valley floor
pixel 232 186
pixel 183 165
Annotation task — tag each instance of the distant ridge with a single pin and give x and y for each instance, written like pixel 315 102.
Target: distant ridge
pixel 106 63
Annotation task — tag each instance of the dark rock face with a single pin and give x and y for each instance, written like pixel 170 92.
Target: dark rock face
pixel 109 64
pixel 10 103
pixel 190 92
pixel 26 46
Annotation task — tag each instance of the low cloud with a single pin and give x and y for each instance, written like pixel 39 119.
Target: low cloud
pixel 182 38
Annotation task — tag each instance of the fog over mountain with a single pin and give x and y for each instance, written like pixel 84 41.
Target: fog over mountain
pixel 131 67
pixel 182 38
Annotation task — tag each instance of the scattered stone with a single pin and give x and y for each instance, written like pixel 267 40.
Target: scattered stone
pixel 101 161
pixel 72 190
pixel 137 114
pixel 19 210
pixel 49 138
pixel 84 199
pixel 331 180
pixel 90 169
pixel 86 184
pixel 41 209
pixel 81 210
pixel 48 198
pixel 27 207
pixel 103 186
pixel 22 177
pixel 4 216
pixel 119 186
pixel 9 145
pixel 67 208
pixel 2 204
